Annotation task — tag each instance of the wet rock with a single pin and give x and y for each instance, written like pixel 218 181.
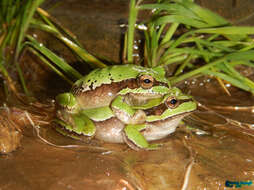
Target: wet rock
pixel 13 122
pixel 10 136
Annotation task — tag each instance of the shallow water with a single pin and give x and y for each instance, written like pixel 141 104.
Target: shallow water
pixel 218 148
pixel 212 158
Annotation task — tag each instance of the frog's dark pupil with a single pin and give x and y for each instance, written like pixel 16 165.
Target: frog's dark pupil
pixel 147 81
pixel 173 101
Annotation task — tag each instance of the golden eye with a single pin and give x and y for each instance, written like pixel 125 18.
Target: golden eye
pixel 172 102
pixel 146 81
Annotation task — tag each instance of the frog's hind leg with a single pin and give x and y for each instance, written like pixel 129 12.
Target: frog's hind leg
pixel 135 140
pixel 80 124
pixel 84 125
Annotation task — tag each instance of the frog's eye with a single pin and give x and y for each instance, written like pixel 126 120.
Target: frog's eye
pixel 172 102
pixel 146 81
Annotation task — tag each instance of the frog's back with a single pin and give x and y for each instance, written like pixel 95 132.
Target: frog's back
pixel 117 73
pixel 107 75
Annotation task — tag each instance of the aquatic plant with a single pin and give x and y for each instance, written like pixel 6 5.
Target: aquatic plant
pixel 179 32
pixel 16 18
pixel 199 41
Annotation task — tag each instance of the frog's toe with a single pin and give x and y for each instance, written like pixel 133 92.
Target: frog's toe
pixel 63 124
pixel 154 146
pixel 131 144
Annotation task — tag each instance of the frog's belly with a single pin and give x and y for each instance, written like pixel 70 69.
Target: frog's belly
pixel 111 129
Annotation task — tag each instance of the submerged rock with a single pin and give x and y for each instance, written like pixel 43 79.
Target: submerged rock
pixel 12 123
pixel 10 136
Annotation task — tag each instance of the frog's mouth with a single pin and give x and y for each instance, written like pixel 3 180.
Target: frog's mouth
pixel 180 115
pixel 139 99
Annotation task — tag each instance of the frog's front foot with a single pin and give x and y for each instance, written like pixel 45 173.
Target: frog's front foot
pixel 137 118
pixel 126 113
pixel 134 139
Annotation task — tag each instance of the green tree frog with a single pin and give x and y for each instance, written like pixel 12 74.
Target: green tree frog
pixel 123 103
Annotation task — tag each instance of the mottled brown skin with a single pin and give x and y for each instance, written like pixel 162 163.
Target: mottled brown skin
pixel 103 95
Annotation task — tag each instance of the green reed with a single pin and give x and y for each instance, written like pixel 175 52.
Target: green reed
pixel 178 32
pixel 15 16
pixel 183 33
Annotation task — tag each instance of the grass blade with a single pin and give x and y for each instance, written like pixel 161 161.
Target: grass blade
pixel 133 13
pixel 230 79
pixel 51 66
pixel 228 30
pixel 205 15
pixel 82 53
pixel 54 58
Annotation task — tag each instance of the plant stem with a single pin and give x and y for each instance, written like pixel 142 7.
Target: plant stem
pixel 131 29
pixel 170 33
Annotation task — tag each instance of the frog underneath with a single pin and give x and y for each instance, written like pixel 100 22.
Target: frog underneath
pixel 126 103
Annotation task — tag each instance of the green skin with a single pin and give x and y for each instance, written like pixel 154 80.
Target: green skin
pixel 116 92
